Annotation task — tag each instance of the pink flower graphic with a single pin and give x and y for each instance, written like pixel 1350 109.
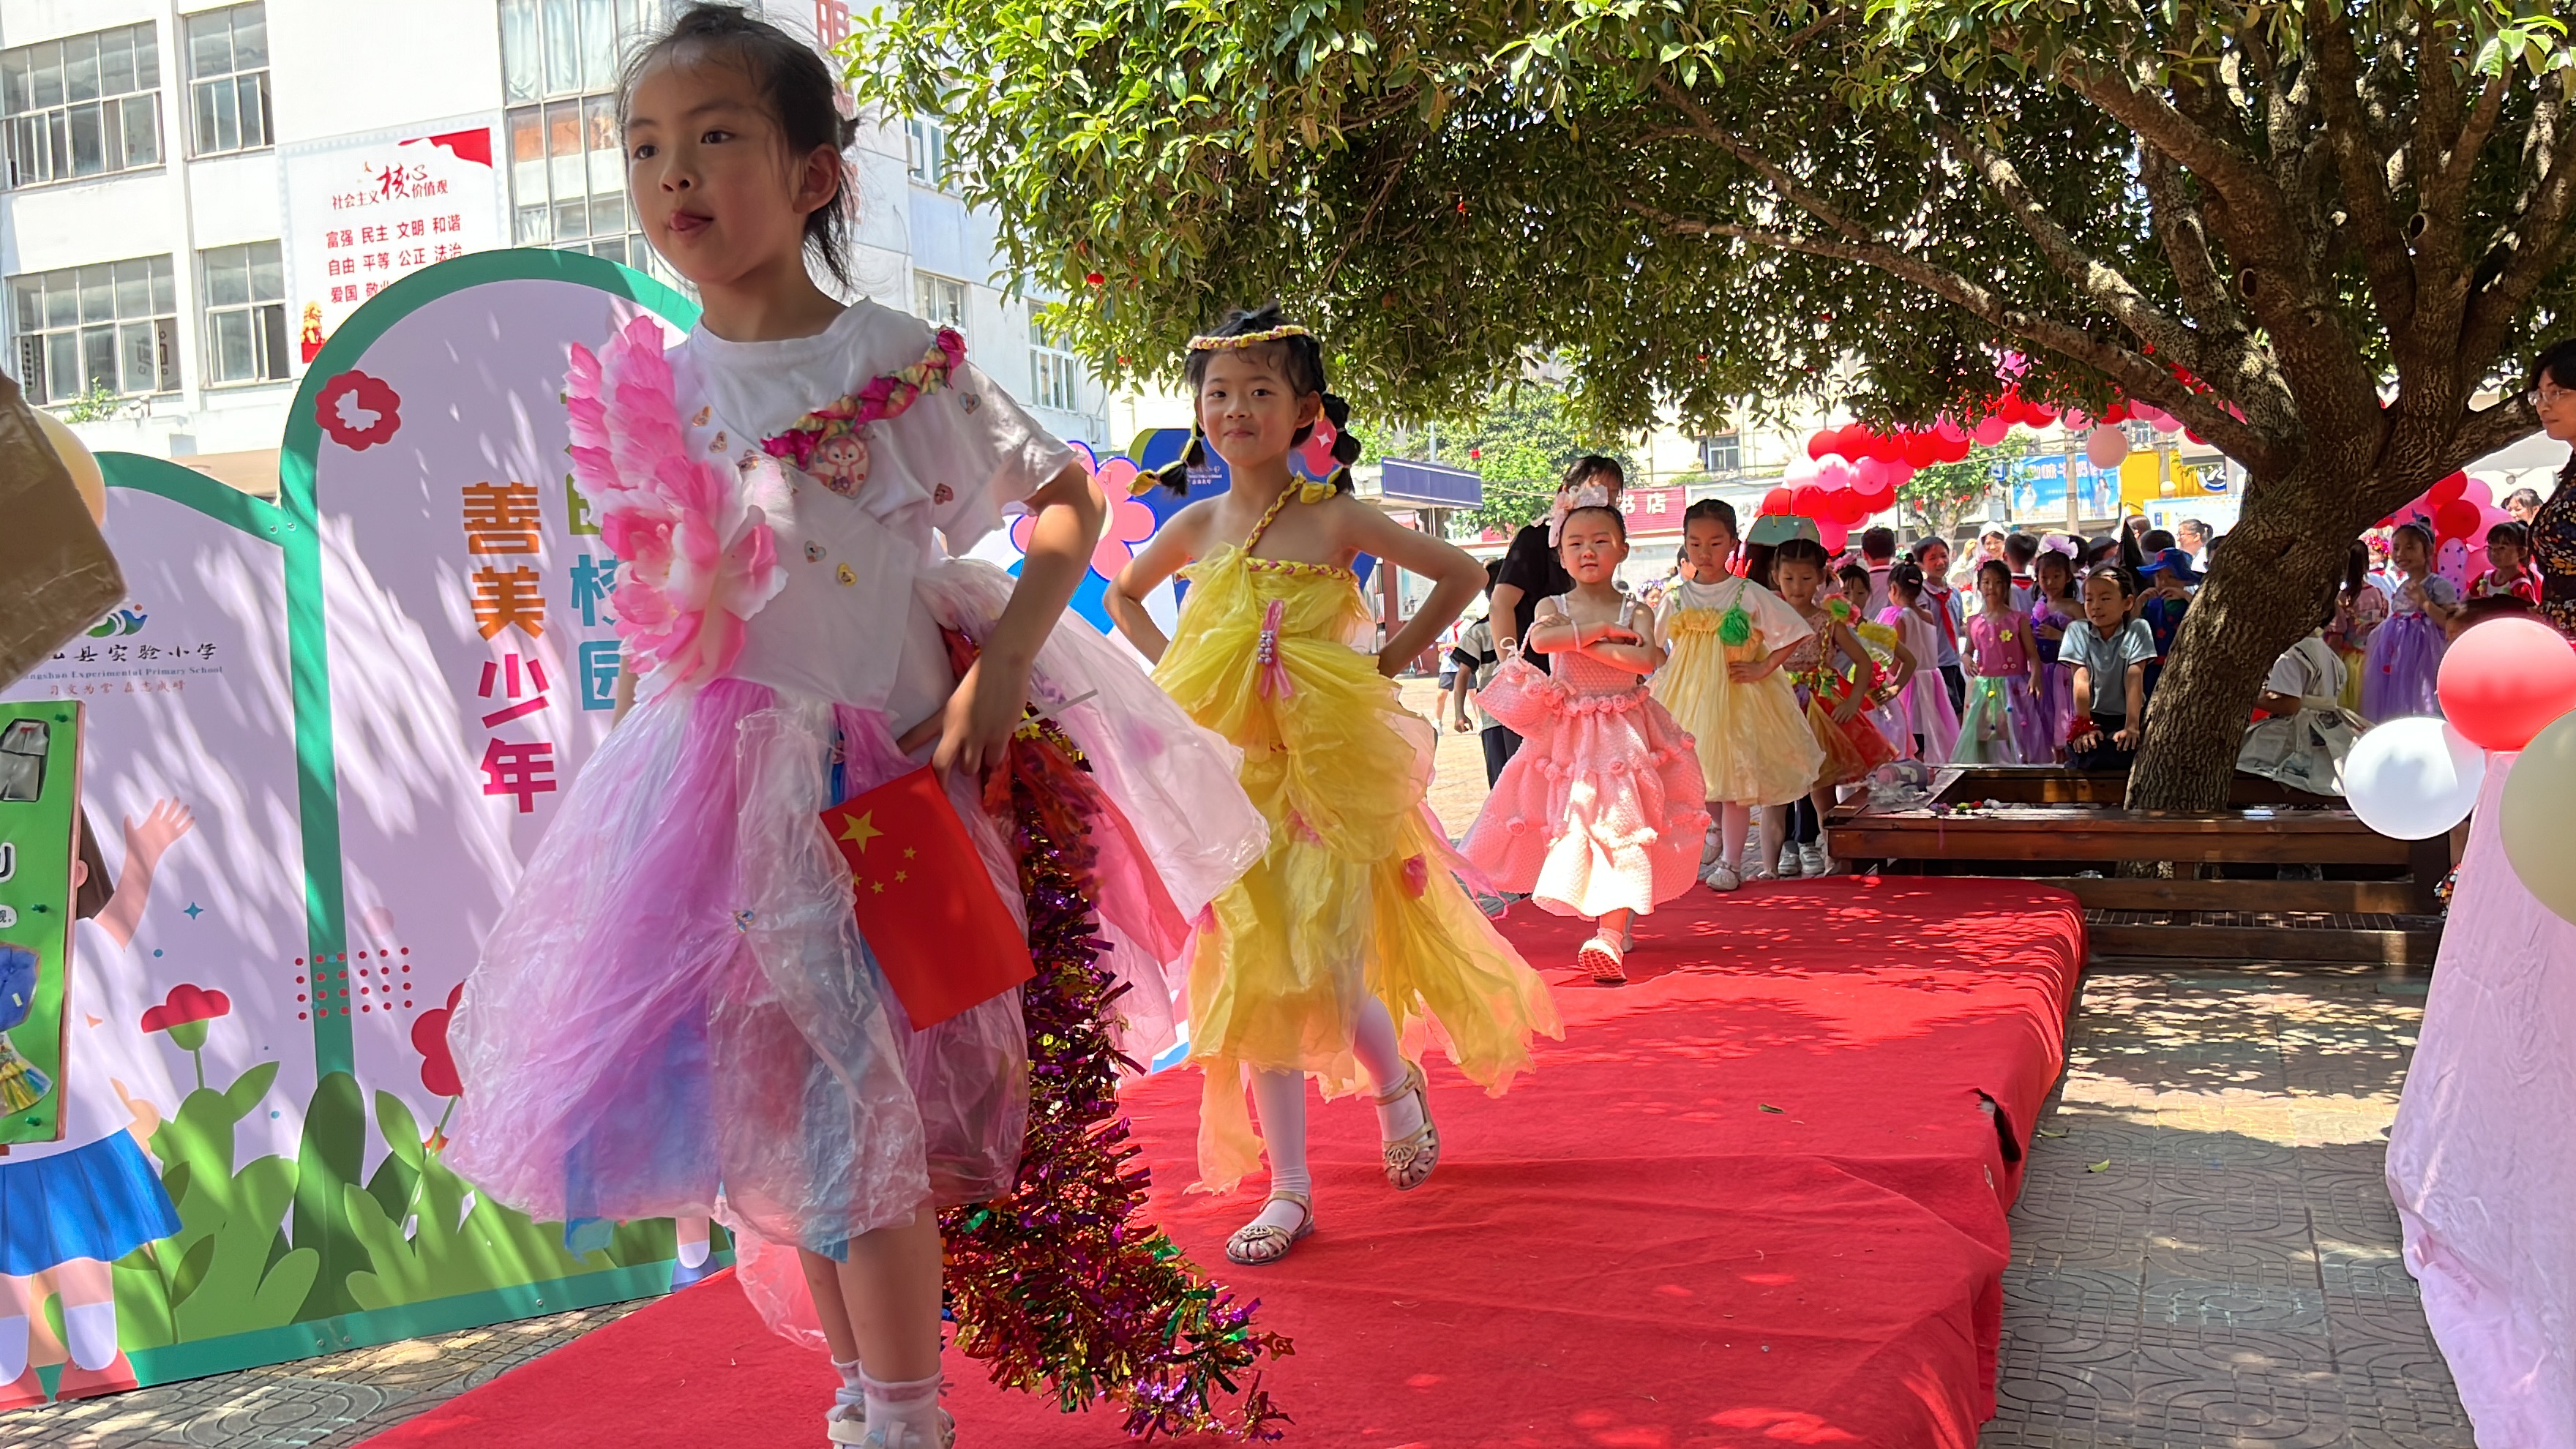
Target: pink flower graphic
pixel 364 395
pixel 1130 524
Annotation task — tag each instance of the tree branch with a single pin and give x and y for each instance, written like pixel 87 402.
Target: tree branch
pixel 2540 236
pixel 2138 375
pixel 2090 275
pixel 2367 200
pixel 2486 429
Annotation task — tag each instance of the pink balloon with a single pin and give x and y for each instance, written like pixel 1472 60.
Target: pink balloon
pixel 1833 534
pixel 1949 432
pixel 2478 491
pixel 1992 430
pixel 1835 475
pixel 1869 471
pixel 2105 447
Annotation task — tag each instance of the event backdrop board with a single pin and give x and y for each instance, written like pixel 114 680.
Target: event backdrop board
pixel 319 739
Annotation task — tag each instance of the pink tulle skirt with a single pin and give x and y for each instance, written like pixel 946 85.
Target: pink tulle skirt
pixel 1601 810
pixel 678 1000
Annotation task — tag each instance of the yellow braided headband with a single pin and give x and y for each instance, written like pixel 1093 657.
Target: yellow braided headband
pixel 1248 339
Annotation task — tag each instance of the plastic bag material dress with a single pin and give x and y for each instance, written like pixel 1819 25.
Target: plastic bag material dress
pixel 1355 894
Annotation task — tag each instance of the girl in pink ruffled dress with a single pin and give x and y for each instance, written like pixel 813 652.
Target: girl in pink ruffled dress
pixel 1600 814
pixel 678 1000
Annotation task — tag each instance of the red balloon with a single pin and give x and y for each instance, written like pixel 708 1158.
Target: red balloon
pixel 1887 447
pixel 2117 412
pixel 1822 444
pixel 2506 680
pixel 1922 449
pixel 1777 500
pixel 1875 495
pixel 1834 535
pixel 1848 507
pixel 2455 519
pixel 1851 441
pixel 1805 499
pixel 2447 490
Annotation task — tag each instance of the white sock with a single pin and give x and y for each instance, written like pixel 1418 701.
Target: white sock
pixel 1281 1099
pixel 91 1329
pixel 13 1347
pixel 911 1407
pixel 849 1401
pixel 1373 1042
pixel 1734 817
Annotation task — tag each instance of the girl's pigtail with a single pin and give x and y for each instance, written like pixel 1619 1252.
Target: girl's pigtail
pixel 1175 475
pixel 1346 448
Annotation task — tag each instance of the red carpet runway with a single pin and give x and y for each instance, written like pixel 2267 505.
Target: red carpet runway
pixel 1755 1198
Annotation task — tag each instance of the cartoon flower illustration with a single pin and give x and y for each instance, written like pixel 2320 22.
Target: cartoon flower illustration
pixel 1131 521
pixel 184 1014
pixel 437 1063
pixel 364 395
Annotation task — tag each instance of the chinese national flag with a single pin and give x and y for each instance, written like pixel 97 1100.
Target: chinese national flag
pixel 926 904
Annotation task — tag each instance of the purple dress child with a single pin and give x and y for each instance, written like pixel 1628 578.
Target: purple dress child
pixel 2056 681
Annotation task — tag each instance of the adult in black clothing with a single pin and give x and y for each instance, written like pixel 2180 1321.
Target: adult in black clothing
pixel 1531 570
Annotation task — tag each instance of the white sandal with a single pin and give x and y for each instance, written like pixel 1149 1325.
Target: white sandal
pixel 1258 1244
pixel 1410 1159
pixel 855 1431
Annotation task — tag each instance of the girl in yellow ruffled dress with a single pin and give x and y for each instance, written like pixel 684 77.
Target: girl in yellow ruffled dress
pixel 1728 637
pixel 1351 932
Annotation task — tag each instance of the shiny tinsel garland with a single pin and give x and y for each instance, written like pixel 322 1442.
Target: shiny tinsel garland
pixel 1061 1285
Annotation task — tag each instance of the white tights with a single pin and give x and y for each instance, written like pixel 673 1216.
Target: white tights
pixel 1280 1099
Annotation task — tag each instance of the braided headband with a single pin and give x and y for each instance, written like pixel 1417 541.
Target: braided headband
pixel 1248 339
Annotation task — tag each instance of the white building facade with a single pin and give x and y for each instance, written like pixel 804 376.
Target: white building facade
pixel 197 194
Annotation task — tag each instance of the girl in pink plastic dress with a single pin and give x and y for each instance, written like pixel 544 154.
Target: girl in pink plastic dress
pixel 677 1002
pixel 1601 813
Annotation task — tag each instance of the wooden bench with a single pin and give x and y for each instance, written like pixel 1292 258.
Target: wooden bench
pixel 2377 904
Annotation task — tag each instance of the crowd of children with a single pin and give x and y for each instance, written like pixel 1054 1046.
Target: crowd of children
pixel 1254 808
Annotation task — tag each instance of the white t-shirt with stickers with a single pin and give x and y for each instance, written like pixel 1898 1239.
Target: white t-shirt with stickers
pixel 848 625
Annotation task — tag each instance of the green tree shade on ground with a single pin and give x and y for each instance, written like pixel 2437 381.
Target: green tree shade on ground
pixel 2346 222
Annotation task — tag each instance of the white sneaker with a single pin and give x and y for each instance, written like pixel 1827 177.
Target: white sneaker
pixel 1720 878
pixel 1813 863
pixel 1792 866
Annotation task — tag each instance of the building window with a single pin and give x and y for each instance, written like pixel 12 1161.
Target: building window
pixel 926 150
pixel 245 314
pixel 1053 372
pixel 559 62
pixel 1722 453
pixel 111 326
pixel 940 301
pixel 84 106
pixel 228 79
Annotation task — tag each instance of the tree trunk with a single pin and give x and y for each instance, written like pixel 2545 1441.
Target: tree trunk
pixel 2273 581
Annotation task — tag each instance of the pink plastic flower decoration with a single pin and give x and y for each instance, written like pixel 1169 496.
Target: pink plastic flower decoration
pixel 700 559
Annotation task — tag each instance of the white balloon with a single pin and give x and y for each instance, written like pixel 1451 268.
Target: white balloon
pixel 2106 446
pixel 2413 778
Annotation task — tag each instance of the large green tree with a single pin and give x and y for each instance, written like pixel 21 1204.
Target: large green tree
pixel 2320 232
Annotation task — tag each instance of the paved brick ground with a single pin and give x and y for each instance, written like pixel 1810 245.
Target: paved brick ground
pixel 2204 1253
pixel 2203 1256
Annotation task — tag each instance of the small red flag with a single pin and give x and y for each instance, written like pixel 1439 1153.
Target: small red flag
pixel 926 904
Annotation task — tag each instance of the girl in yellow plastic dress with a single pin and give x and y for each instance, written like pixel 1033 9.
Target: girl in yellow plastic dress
pixel 1352 928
